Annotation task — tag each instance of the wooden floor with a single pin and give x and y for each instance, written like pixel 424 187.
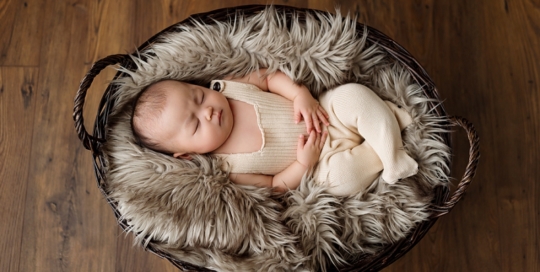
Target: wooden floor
pixel 484 56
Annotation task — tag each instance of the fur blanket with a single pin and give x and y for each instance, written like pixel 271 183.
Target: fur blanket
pixel 191 210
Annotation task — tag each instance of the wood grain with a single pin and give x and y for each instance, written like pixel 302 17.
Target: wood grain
pixel 17 105
pixel 66 222
pixel 483 56
pixel 21 37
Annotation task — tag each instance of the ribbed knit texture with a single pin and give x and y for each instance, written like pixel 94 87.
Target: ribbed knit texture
pixel 275 117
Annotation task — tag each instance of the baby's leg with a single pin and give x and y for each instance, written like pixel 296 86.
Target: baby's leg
pixel 353 170
pixel 359 107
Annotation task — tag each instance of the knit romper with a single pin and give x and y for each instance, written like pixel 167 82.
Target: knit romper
pixel 275 118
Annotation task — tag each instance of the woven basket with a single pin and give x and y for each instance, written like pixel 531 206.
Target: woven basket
pixel 442 203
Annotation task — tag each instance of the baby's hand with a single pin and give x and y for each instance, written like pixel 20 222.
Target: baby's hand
pixel 308 109
pixel 307 152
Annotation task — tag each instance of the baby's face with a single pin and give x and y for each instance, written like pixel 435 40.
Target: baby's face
pixel 194 120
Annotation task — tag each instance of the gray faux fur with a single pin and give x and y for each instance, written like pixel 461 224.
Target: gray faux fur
pixel 191 210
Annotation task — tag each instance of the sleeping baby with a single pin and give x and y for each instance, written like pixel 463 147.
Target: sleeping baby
pixel 253 124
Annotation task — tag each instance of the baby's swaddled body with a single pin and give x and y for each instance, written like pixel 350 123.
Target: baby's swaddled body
pixel 347 163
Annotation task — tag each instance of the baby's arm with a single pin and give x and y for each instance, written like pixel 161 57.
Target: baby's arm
pixel 305 106
pixel 307 155
pixel 288 179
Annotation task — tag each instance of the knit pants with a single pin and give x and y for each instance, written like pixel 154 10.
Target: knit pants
pixel 364 138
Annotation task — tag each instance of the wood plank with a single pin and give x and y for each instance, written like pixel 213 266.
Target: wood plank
pixel 132 257
pixel 7 17
pixel 17 105
pixel 20 36
pixel 68 226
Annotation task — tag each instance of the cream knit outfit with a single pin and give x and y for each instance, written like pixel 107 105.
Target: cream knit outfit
pixel 347 163
pixel 278 128
pixel 364 137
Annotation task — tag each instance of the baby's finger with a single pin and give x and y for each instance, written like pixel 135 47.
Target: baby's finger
pixel 317 139
pixel 316 122
pixel 297 117
pixel 323 111
pixel 323 117
pixel 312 138
pixel 309 122
pixel 301 142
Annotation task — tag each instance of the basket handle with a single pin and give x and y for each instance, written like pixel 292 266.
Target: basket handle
pixel 470 170
pixel 88 140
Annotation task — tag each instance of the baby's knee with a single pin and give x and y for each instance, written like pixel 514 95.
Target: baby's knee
pixel 354 99
pixel 351 91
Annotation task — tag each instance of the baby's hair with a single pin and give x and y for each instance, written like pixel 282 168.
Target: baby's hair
pixel 147 109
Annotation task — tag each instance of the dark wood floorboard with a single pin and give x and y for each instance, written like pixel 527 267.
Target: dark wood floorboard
pixel 17 105
pixel 483 55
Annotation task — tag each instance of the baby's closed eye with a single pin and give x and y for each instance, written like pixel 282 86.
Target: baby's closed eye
pixel 202 98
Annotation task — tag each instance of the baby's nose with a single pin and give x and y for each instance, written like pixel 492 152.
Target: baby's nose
pixel 208 113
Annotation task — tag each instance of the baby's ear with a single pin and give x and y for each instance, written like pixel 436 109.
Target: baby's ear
pixel 182 156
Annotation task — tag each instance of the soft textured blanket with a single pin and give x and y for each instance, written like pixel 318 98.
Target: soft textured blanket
pixel 191 210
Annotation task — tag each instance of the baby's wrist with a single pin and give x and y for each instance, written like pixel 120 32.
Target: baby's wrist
pixel 302 91
pixel 301 164
pixel 304 165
